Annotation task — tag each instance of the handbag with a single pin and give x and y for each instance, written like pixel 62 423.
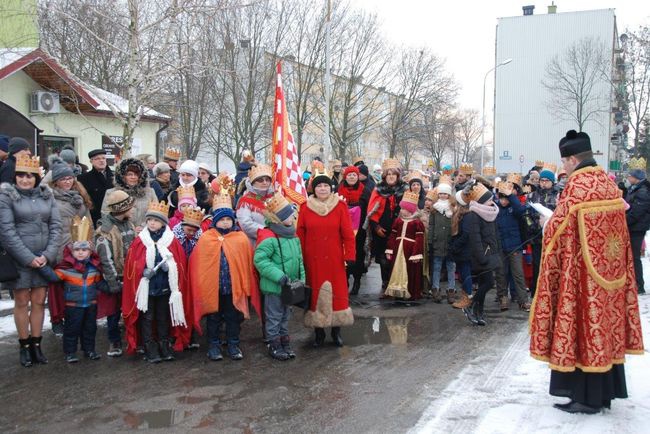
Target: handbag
pixel 295 292
pixel 8 270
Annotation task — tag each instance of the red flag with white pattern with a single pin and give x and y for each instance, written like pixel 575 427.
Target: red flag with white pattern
pixel 286 161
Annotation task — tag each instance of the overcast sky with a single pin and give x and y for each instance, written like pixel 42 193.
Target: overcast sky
pixel 463 31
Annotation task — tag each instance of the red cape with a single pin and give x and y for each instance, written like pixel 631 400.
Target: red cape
pixel 134 265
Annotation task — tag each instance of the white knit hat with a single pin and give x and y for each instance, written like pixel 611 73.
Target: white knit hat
pixel 459 198
pixel 443 187
pixel 191 167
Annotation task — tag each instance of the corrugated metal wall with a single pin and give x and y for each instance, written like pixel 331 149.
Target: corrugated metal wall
pixel 523 127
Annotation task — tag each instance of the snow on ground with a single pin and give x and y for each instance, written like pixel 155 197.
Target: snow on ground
pixel 8 327
pixel 511 396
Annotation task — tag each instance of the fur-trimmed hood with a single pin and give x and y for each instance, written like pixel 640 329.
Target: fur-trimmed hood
pixel 10 190
pixel 139 190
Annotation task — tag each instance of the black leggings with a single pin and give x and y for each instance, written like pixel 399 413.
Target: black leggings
pixel 485 280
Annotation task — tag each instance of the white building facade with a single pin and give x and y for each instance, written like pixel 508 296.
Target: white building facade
pixel 525 130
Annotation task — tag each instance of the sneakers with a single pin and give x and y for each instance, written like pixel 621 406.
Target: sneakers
pixel 92 355
pixel 286 346
pixel 276 351
pixel 114 349
pixel 71 358
pixel 214 353
pixel 525 306
pixel 234 352
pixel 151 353
pixel 57 329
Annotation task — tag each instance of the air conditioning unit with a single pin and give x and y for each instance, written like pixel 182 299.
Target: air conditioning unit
pixel 44 102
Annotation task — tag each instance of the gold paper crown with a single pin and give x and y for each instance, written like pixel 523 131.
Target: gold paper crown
pixel 390 163
pixel 478 190
pixel 466 168
pixel 414 175
pixel 489 171
pixel 221 200
pixel 259 171
pixel 539 163
pixel 27 164
pixel 186 192
pixel 514 178
pixel 80 229
pixel 526 189
pixel 411 197
pixel 357 159
pixel 505 185
pixel 172 154
pixel 634 163
pixel 335 163
pixel 550 166
pixel 448 171
pixel 445 179
pixel 193 216
pixel 276 203
pixel 317 165
pixel 432 194
pixel 158 207
pixel 227 184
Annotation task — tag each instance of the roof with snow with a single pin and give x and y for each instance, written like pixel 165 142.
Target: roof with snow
pixel 75 93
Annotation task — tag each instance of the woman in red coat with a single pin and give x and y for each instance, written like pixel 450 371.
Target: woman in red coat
pixel 327 240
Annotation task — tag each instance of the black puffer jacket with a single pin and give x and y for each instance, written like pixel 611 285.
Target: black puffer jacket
pixel 482 242
pixel 638 216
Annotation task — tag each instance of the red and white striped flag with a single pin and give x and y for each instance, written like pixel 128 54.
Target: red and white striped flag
pixel 286 161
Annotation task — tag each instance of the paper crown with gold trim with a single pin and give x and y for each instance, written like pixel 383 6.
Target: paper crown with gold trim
pixel 186 192
pixel 479 193
pixel 158 210
pixel 221 200
pixel 550 166
pixel 514 178
pixel 173 154
pixel 414 175
pixel 357 159
pixel 193 216
pixel 445 179
pixel 411 197
pixel 489 171
pixel 260 170
pixel 278 208
pixel 80 230
pixel 432 194
pixel 27 164
pixel 505 185
pixel 390 163
pixel 466 168
pixel 539 163
pixel 634 163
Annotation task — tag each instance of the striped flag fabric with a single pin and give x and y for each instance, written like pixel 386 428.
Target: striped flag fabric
pixel 286 161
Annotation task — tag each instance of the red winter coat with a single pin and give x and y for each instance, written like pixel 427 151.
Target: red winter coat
pixel 327 242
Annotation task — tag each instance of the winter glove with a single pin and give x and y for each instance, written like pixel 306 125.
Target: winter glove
pixel 148 273
pixel 102 286
pixel 114 287
pixel 284 281
pixel 349 264
pixel 164 267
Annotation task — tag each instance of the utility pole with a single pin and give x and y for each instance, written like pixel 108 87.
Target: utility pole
pixel 328 90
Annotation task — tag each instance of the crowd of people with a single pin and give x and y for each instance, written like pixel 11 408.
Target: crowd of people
pixel 168 248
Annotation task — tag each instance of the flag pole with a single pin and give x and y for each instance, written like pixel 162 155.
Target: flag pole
pixel 328 90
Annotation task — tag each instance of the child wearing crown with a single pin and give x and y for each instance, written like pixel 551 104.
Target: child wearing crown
pixel 186 199
pixel 155 277
pixel 405 251
pixel 188 231
pixel 222 294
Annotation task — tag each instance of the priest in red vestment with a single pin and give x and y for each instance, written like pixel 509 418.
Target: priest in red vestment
pixel 585 315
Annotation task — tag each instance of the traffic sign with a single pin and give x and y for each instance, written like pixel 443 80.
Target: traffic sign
pixel 521 158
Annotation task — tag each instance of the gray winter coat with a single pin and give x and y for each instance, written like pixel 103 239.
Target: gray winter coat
pixel 30 225
pixel 70 204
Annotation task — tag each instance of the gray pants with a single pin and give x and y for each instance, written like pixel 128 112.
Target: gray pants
pixel 277 317
pixel 511 263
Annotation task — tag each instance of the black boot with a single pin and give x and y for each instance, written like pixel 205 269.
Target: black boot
pixel 166 352
pixel 35 350
pixel 151 353
pixel 277 351
pixel 356 285
pixel 319 338
pixel 336 336
pixel 25 354
pixel 480 318
pixel 471 312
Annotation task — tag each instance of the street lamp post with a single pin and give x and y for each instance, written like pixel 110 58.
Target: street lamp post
pixel 505 62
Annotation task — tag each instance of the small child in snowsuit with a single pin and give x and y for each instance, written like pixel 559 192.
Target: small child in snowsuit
pixel 278 259
pixel 80 272
pixel 439 236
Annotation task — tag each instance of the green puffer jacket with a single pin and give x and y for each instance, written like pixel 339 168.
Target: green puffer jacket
pixel 269 265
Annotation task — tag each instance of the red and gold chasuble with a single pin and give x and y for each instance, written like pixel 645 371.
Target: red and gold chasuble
pixel 585 313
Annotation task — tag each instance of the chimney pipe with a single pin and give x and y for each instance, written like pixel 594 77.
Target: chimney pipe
pixel 528 10
pixel 552 8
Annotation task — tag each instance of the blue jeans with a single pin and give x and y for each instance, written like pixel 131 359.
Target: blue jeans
pixel 465 270
pixel 277 317
pixel 436 266
pixel 227 314
pixel 80 324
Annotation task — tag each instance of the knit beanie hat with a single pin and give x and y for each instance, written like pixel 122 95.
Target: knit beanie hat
pixel 60 169
pixel 350 169
pixel 220 213
pixel 68 156
pixel 638 174
pixel 409 202
pixel 191 167
pixel 4 143
pixel 363 169
pixel 119 201
pixel 81 244
pixel 547 174
pixel 443 187
pixel 17 144
pixel 158 210
pixel 161 167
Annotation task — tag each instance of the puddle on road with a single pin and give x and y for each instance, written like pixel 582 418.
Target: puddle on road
pixel 376 331
pixel 152 419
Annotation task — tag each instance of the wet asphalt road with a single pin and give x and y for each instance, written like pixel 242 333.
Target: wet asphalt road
pixel 396 361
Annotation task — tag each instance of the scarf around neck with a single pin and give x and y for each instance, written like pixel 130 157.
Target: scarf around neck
pixel 322 208
pixel 443 207
pixel 283 231
pixel 487 211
